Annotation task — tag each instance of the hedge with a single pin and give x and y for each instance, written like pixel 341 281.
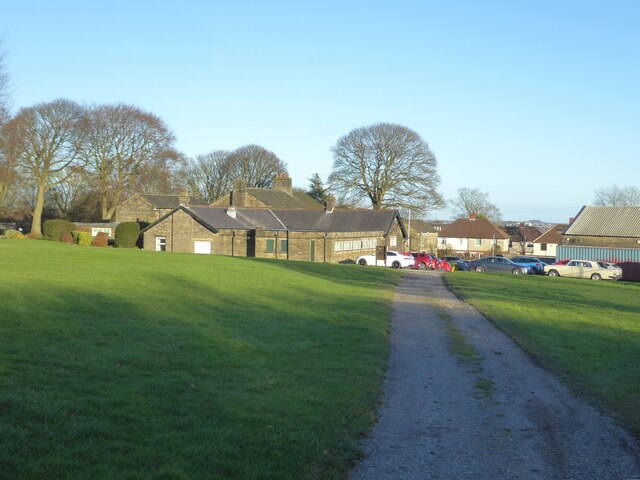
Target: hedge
pixel 56 228
pixel 127 234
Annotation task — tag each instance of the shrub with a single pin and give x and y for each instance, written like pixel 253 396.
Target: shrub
pixel 14 235
pixel 33 236
pixel 56 228
pixel 127 234
pixel 84 239
pixel 67 238
pixel 100 240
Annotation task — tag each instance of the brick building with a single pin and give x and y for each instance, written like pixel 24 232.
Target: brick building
pixel 472 237
pixel 142 207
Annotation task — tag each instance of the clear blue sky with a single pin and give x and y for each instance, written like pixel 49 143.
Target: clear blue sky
pixel 536 103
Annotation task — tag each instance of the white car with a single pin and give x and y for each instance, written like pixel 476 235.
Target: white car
pixel 394 260
pixel 584 269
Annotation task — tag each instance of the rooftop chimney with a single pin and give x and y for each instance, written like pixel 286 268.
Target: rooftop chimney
pixel 282 182
pixel 232 212
pixel 183 198
pixel 472 216
pixel 238 194
pixel 331 203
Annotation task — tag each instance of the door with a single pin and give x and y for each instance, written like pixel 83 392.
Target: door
pixel 251 243
pixel 312 251
pixel 202 247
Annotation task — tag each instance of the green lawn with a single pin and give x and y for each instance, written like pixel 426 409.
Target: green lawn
pixel 586 332
pixel 126 364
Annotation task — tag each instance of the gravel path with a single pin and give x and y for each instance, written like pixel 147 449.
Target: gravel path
pixel 463 401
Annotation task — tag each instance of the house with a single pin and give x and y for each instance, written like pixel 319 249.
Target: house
pixel 610 234
pixel 472 237
pixel 142 207
pixel 281 195
pixel 317 235
pixel 546 244
pixel 424 235
pixel 522 237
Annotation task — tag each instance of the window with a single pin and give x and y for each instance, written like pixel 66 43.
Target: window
pixel 543 247
pixel 271 245
pixel 478 242
pixel 393 241
pixel 283 246
pixel 161 244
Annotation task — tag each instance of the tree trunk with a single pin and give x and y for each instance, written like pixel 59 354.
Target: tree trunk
pixel 36 223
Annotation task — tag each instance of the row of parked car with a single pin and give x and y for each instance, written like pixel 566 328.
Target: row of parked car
pixel 521 265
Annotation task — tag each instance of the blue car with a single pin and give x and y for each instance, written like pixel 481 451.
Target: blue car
pixel 535 263
pixel 499 264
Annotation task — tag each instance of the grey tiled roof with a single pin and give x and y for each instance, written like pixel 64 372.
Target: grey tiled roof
pixel 169 201
pixel 280 199
pixel 340 220
pixel 607 222
pixel 246 218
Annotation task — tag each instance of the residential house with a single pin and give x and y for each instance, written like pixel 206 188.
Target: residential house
pixel 546 244
pixel 472 237
pixel 282 195
pixel 142 207
pixel 317 235
pixel 424 235
pixel 522 237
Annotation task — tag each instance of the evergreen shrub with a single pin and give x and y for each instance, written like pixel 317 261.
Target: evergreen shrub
pixel 100 240
pixel 14 235
pixel 67 238
pixel 55 229
pixel 127 234
pixel 84 239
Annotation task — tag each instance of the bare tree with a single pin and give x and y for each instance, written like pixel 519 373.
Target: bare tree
pixel 256 166
pixel 121 142
pixel 616 196
pixel 45 141
pixel 209 176
pixel 472 200
pixel 7 163
pixel 388 165
pixel 4 89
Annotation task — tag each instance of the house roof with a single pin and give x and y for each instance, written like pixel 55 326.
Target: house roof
pixel 553 235
pixel 521 233
pixel 607 222
pixel 477 228
pixel 169 201
pixel 246 218
pixel 281 199
pixel 424 226
pixel 339 220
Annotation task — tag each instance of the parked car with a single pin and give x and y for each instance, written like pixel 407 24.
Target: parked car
pixel 394 260
pixel 584 269
pixel 499 264
pixel 533 262
pixel 460 263
pixel 562 262
pixel 424 261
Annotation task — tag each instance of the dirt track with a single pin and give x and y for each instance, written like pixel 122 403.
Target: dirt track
pixel 463 401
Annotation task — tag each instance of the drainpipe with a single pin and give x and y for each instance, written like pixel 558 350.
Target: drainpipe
pixel 276 245
pixel 233 241
pixel 324 248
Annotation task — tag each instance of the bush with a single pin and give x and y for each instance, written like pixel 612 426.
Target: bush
pixel 33 236
pixel 67 238
pixel 84 239
pixel 127 234
pixel 14 235
pixel 100 240
pixel 56 228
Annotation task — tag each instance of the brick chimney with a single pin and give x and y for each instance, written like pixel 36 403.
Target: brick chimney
pixel 282 182
pixel 331 203
pixel 183 198
pixel 238 194
pixel 472 216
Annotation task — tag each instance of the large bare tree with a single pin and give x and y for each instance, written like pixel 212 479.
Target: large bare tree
pixel 209 176
pixel 123 141
pixel 472 200
pixel 7 163
pixel 616 196
pixel 256 166
pixel 387 165
pixel 45 142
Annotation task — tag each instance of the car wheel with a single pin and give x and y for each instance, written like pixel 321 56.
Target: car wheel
pixel 422 266
pixel 395 264
pixel 553 273
pixel 516 271
pixel 596 276
pixel 481 269
pixel 362 262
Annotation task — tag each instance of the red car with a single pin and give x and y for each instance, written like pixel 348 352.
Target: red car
pixel 561 262
pixel 424 261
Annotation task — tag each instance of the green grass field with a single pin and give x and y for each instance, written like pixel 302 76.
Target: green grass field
pixel 126 364
pixel 586 332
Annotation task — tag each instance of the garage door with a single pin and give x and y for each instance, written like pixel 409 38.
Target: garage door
pixel 202 247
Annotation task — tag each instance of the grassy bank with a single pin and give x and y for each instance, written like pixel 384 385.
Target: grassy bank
pixel 586 332
pixel 128 364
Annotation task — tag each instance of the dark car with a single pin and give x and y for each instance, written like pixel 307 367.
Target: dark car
pixel 499 264
pixel 460 263
pixel 533 262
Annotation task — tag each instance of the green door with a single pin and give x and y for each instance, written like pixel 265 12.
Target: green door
pixel 312 251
